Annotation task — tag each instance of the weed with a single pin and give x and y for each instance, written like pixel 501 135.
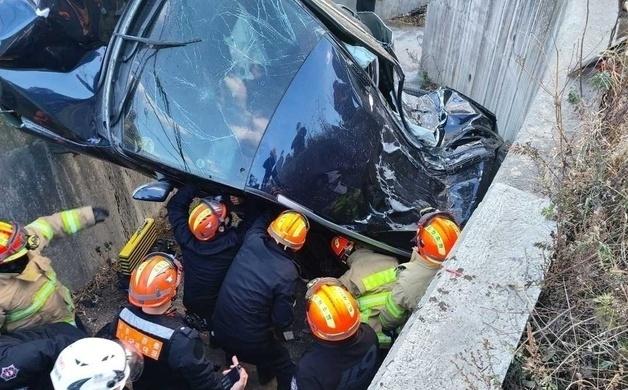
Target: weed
pixel 577 337
pixel 573 97
pixel 602 81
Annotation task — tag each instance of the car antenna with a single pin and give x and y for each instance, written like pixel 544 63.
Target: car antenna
pixel 155 44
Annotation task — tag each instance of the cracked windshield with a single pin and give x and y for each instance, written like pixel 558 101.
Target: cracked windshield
pixel 203 107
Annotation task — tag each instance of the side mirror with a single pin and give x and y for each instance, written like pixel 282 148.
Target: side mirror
pixel 156 191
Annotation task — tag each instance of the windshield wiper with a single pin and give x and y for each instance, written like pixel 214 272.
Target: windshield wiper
pixel 156 44
pixel 151 44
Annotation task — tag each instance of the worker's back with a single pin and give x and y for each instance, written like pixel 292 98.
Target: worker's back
pixel 258 291
pixel 174 355
pixel 342 365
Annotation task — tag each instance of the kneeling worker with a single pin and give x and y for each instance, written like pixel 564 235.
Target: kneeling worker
pixel 388 292
pixel 30 293
pixel 175 355
pixel 344 353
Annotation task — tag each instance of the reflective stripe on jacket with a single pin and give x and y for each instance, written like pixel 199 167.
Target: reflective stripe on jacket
pixel 387 307
pixel 368 272
pixel 35 296
pixel 175 357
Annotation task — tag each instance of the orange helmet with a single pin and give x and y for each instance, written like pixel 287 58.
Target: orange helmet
pixel 207 218
pixel 14 242
pixel 342 247
pixel 436 235
pixel 289 229
pixel 155 281
pixel 331 311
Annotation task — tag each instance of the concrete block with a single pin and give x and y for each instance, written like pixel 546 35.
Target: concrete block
pixel 39 182
pixel 469 322
pixel 467 326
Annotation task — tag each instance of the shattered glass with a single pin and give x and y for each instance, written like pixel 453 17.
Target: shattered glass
pixel 203 108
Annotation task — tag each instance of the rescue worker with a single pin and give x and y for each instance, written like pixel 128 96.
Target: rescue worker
pixel 28 355
pixel 388 292
pixel 209 239
pixel 258 296
pixel 175 357
pixel 96 363
pixel 30 293
pixel 344 354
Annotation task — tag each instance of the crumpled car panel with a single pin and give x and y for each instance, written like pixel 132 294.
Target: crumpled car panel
pixel 53 34
pixel 334 147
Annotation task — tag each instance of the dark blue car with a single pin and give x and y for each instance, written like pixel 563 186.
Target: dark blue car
pixel 294 102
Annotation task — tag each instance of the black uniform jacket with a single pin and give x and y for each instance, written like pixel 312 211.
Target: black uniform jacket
pixel 27 356
pixel 257 295
pixel 348 365
pixel 174 354
pixel 205 263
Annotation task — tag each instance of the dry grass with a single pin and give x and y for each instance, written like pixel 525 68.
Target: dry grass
pixel 414 18
pixel 577 337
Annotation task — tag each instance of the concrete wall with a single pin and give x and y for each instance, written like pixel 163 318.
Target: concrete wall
pixel 491 50
pixel 466 328
pixel 387 9
pixel 37 181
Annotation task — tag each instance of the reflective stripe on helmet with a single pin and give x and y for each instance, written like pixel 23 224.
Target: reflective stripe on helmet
pixel 437 239
pixel 371 301
pixel 379 279
pixel 43 227
pixel 39 300
pixel 324 308
pixel 148 297
pixel 71 221
pixel 149 327
pixel 289 229
pixel 16 255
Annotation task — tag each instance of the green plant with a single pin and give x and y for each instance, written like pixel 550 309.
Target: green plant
pixel 602 81
pixel 573 97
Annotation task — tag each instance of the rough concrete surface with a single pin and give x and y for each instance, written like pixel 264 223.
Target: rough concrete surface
pixel 40 181
pixel 492 51
pixel 469 322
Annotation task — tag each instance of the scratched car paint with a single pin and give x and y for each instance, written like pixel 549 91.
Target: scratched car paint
pixel 291 102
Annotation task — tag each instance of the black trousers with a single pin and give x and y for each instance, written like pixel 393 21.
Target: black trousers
pixel 271 358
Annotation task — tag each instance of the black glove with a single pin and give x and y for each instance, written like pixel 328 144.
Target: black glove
pixel 100 214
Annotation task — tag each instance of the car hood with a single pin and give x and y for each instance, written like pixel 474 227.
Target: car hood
pixel 334 147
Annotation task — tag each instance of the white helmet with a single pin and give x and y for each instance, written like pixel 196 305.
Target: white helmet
pixel 96 364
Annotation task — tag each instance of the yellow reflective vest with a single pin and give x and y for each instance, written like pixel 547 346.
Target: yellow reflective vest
pixel 35 296
pixel 387 292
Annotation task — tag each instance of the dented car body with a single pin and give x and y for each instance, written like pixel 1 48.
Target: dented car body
pixel 296 103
